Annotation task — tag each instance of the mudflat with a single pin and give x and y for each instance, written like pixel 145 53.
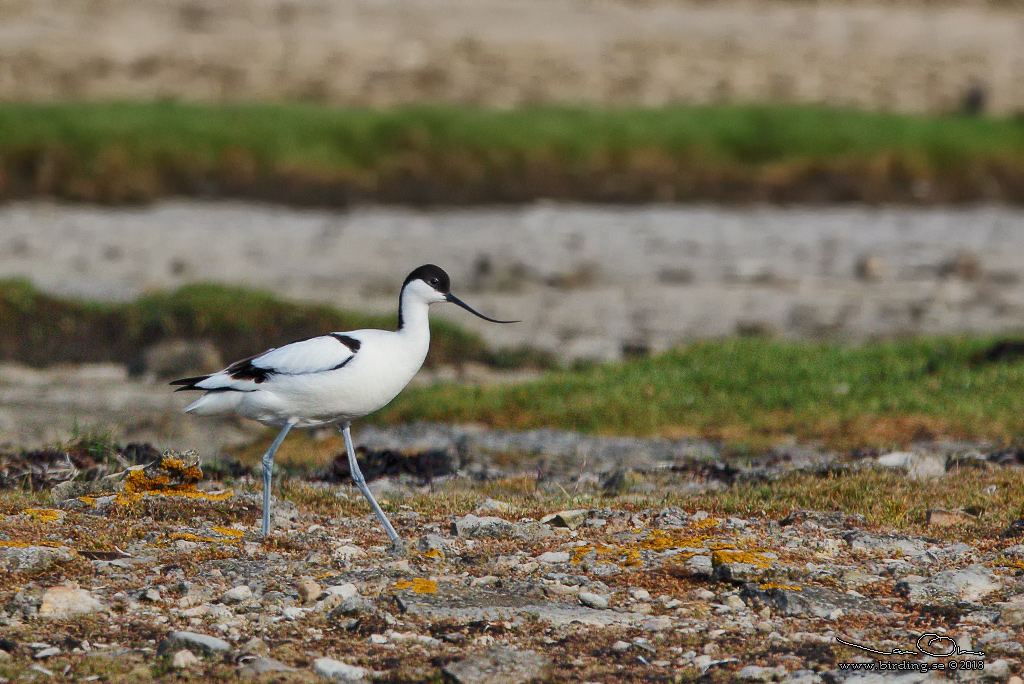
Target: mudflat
pixel 920 57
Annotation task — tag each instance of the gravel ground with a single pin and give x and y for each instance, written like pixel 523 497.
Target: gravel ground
pixel 893 56
pixel 156 577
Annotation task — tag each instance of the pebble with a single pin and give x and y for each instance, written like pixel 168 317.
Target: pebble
pixel 194 641
pixel 257 666
pixel 347 553
pixel 184 659
pixel 551 557
pixel 336 671
pixel 309 590
pixel 592 600
pixel 471 526
pixel 640 594
pixel 62 602
pixel 46 653
pixel 950 586
pixel 570 519
pixel 236 594
pixel 500 664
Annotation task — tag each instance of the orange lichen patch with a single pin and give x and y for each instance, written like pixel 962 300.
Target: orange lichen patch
pixel 45 515
pixel 139 483
pixel 723 556
pixel 660 540
pixel 418 585
pixel 229 532
pixel 88 500
pixel 706 523
pixel 773 585
pixel 25 545
pixel 1013 564
pixel 433 554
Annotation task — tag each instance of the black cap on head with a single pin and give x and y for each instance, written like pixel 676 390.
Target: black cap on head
pixel 432 275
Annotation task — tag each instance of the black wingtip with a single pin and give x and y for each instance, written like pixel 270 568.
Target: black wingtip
pixel 188 383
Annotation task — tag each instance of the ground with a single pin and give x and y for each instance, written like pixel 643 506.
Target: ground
pixel 632 580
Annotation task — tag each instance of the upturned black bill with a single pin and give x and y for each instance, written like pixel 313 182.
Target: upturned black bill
pixel 455 300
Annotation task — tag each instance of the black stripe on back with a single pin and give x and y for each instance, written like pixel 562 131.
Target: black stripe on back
pixel 245 370
pixel 352 343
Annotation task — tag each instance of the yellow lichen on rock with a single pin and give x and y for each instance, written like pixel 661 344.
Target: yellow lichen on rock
pixel 229 532
pixel 418 585
pixel 723 556
pixel 45 515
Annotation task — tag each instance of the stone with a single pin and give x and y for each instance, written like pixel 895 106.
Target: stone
pixel 948 587
pixel 45 653
pixel 500 665
pixel 671 516
pixel 62 602
pixel 336 671
pixel 1011 613
pixel 592 600
pixel 352 606
pixel 940 517
pixel 571 519
pixel 255 646
pixel 808 601
pixel 640 594
pixel 761 674
pixel 493 506
pixel 309 590
pixel 552 557
pixel 917 466
pixel 432 543
pixel 16 558
pixel 254 667
pixel 471 526
pixel 699 565
pixel 184 659
pixel 236 594
pixel 347 553
pixel 194 642
pixel 346 590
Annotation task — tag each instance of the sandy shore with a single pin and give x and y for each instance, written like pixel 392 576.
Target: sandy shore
pixel 506 53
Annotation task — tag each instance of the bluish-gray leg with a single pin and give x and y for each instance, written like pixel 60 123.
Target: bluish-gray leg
pixel 268 471
pixel 397 545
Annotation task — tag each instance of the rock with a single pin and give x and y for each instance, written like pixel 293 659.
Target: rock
pixel 173 474
pixel 571 519
pixel 255 646
pixel 471 526
pixel 761 674
pixel 948 587
pixel 939 517
pixel 347 553
pixel 45 653
pixel 236 594
pixel 346 590
pixel 492 506
pixel 194 642
pixel 808 601
pixel 621 646
pixel 917 466
pixel 552 557
pixel 671 516
pixel 352 606
pixel 336 671
pixel 256 666
pixel 432 543
pixel 870 267
pixel 62 602
pixel 184 659
pixel 592 600
pixel 15 558
pixel 1011 614
pixel 640 594
pixel 699 565
pixel 500 665
pixel 309 590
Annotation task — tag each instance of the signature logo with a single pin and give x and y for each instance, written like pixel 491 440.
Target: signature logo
pixel 928 644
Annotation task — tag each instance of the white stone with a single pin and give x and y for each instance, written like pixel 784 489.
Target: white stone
pixel 62 602
pixel 336 671
pixel 347 590
pixel 237 594
pixel 554 557
pixel 347 553
pixel 184 659
pixel 592 600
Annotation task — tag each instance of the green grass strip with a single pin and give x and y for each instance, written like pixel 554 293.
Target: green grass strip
pixel 758 393
pixel 121 151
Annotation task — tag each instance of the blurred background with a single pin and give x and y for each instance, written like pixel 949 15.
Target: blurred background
pixel 184 182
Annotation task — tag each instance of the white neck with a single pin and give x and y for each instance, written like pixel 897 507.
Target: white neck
pixel 414 315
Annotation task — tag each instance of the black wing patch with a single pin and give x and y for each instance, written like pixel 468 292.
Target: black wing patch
pixel 352 343
pixel 189 383
pixel 245 370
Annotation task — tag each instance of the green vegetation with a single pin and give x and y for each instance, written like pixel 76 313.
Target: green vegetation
pixel 123 152
pixel 751 393
pixel 39 329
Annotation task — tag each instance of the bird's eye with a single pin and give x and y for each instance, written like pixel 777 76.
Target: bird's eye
pixel 434 281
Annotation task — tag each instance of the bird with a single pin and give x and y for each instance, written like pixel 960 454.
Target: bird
pixel 330 379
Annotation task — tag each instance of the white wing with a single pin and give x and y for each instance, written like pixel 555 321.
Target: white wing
pixel 315 355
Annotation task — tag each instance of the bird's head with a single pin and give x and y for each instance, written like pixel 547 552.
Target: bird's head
pixel 431 284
